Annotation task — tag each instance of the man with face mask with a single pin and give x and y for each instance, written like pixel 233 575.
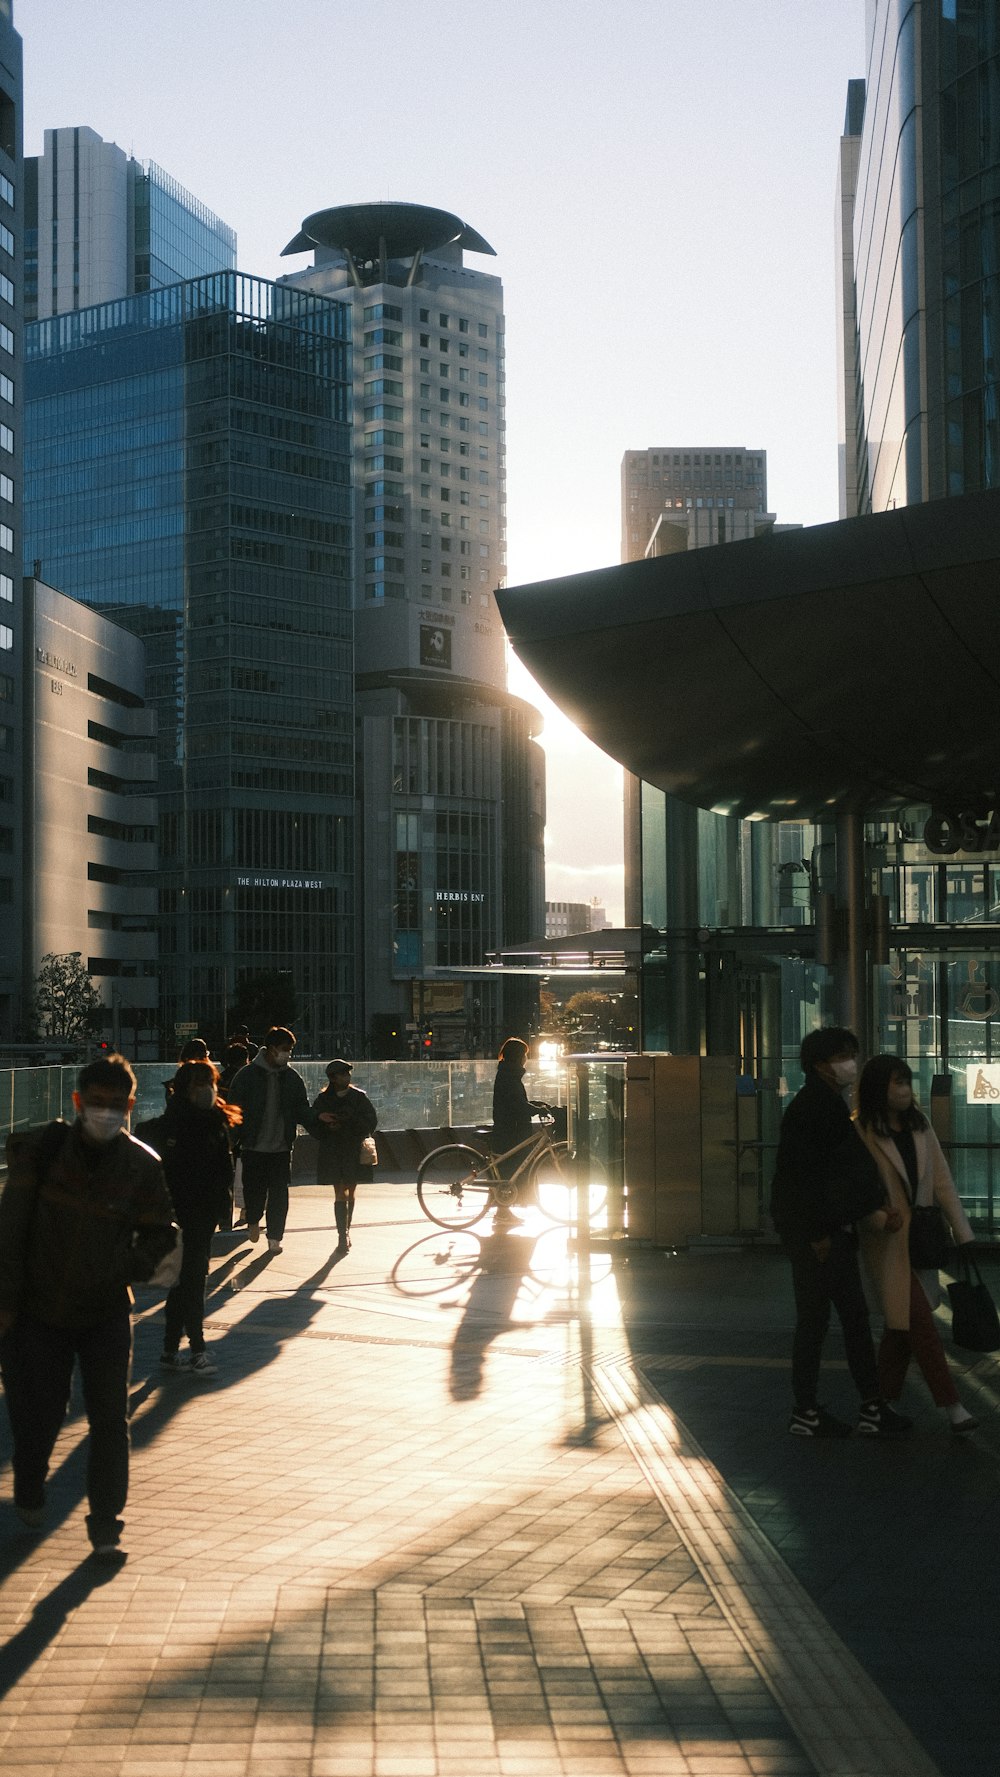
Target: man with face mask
pixel 85 1212
pixel 826 1181
pixel 274 1101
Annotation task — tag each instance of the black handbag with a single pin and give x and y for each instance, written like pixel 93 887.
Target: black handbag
pixel 930 1241
pixel 975 1325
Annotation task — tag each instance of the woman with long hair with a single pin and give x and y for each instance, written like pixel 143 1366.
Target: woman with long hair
pixel 916 1176
pixel 194 1141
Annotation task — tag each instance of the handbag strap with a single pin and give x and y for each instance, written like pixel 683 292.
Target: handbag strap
pixel 968 1264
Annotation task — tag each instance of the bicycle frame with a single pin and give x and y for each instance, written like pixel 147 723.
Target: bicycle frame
pixel 536 1144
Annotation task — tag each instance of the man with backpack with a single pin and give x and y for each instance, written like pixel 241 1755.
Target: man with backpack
pixel 85 1212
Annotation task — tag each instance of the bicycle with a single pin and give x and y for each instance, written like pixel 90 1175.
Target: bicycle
pixel 458 1184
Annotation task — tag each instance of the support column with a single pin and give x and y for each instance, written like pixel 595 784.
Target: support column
pixel 851 980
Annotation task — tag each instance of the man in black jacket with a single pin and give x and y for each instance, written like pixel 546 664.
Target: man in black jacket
pixel 274 1101
pixel 825 1181
pixel 84 1212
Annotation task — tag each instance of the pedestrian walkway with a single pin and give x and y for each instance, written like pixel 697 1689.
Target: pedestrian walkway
pixel 453 1507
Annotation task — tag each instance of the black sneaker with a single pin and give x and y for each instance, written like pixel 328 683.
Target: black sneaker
pixel 816 1422
pixel 878 1420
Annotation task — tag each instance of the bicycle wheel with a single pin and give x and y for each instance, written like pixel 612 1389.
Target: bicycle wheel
pixel 453 1186
pixel 560 1182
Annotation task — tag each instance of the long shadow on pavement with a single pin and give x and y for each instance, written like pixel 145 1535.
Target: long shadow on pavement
pixel 167 1392
pixel 895 1543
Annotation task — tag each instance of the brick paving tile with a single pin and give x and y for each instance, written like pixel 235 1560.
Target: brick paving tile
pixel 455 1570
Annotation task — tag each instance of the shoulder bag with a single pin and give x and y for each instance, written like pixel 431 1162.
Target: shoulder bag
pixel 975 1325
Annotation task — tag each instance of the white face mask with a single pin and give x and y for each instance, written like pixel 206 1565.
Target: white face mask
pixel 102 1125
pixel 844 1072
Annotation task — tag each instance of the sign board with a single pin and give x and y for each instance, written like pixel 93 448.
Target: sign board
pixel 187 1029
pixel 982 1082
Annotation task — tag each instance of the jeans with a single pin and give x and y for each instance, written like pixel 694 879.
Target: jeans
pixel 36 1360
pixel 818 1285
pixel 184 1310
pixel 265 1182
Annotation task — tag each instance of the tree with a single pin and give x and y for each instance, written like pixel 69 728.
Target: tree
pixel 592 1012
pixel 67 1005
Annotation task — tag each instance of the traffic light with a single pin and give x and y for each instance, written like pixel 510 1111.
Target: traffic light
pixel 426 1041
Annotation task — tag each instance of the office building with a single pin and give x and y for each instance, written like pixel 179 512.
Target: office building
pixel 716 491
pixel 90 792
pixel 452 780
pixel 188 475
pixel 12 809
pixel 919 221
pixel 564 919
pixel 101 225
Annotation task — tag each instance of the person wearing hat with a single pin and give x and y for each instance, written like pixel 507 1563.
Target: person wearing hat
pixel 343 1117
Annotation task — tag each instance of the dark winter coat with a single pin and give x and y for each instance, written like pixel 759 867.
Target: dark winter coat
pixel 340 1142
pixel 249 1091
pixel 824 1175
pixel 196 1150
pixel 79 1222
pixel 512 1108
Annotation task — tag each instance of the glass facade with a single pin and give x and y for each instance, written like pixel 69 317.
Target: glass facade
pixel 176 237
pixel 730 964
pixel 927 255
pixel 188 473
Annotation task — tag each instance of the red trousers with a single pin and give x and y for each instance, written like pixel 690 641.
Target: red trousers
pixel 922 1342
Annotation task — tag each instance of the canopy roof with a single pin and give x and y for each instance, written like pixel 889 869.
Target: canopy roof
pixel 848 665
pixel 398 230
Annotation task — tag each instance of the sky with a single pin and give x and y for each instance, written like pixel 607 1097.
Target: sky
pixel 657 178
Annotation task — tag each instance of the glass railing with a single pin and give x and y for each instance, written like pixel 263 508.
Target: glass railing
pixel 406 1094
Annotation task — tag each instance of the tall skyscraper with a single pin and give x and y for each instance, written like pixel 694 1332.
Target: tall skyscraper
pixel 188 469
pixel 920 200
pixel 100 224
pixel 452 782
pixel 12 812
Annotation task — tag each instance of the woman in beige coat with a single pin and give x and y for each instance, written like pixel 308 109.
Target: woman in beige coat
pixel 915 1172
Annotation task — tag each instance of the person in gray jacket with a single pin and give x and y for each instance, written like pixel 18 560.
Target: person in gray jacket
pixel 274 1101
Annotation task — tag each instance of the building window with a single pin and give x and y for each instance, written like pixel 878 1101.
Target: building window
pixel 6 637
pixel 7 586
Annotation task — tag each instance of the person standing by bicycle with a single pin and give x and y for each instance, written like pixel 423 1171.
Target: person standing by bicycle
pixel 512 1108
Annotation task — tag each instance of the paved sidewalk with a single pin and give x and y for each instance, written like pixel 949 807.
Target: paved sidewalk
pixel 452 1508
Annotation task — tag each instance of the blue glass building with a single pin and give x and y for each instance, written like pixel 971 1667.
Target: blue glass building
pixel 188 473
